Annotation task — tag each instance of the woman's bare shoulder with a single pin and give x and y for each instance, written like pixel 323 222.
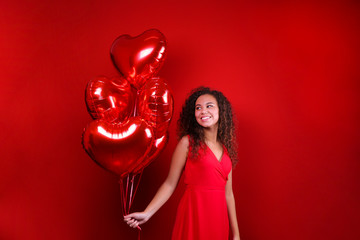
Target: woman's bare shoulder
pixel 184 142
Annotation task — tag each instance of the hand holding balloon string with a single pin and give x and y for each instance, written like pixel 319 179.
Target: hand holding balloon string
pixel 135 219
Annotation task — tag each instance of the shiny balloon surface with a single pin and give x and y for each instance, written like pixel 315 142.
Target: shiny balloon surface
pixel 139 58
pixel 157 147
pixel 156 105
pixel 110 99
pixel 119 148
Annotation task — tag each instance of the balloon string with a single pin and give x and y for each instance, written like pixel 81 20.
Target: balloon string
pixel 126 195
pixel 129 195
pixel 131 191
pixel 139 231
pixel 122 197
pixel 136 188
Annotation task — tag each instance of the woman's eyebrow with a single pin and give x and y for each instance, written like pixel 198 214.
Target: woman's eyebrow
pixel 205 103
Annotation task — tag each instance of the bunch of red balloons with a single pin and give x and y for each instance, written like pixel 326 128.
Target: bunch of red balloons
pixel 131 112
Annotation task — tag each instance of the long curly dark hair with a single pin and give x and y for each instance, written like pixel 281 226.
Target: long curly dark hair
pixel 187 124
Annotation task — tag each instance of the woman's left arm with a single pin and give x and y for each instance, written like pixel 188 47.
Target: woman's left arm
pixel 230 201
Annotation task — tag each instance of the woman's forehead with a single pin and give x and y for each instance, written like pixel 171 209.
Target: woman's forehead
pixel 205 99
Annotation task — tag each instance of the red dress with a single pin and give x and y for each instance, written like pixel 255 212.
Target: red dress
pixel 202 212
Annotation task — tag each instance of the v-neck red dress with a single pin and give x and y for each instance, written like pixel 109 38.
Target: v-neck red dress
pixel 202 212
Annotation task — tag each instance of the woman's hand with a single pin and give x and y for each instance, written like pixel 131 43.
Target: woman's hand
pixel 136 219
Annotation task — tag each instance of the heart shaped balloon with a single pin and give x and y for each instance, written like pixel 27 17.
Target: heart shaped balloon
pixel 112 100
pixel 139 58
pixel 155 150
pixel 155 105
pixel 119 148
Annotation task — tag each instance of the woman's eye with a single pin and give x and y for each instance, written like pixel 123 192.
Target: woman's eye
pixel 197 108
pixel 209 106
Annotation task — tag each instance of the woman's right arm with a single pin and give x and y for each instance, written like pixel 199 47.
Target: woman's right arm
pixel 167 188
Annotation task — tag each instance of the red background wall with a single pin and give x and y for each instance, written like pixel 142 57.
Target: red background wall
pixel 291 70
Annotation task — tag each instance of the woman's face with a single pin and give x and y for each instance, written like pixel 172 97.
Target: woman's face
pixel 207 111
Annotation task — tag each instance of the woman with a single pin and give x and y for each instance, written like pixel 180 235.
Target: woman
pixel 205 153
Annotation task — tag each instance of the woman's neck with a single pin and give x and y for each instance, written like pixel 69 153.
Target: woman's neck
pixel 210 135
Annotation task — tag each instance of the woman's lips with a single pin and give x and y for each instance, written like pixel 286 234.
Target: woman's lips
pixel 205 118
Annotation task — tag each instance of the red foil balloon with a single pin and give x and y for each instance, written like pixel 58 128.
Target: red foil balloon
pixel 155 105
pixel 119 148
pixel 156 149
pixel 112 100
pixel 139 58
